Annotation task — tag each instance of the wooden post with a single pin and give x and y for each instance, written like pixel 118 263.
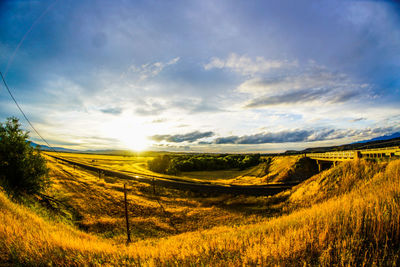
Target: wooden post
pixel 154 187
pixel 128 233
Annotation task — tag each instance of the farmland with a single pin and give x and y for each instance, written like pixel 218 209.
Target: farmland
pixel 276 170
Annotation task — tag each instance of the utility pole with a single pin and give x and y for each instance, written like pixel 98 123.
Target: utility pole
pixel 154 187
pixel 128 233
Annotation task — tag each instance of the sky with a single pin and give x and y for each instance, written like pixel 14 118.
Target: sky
pixel 211 76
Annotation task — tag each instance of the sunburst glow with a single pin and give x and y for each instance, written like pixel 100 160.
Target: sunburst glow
pixel 129 132
pixel 134 140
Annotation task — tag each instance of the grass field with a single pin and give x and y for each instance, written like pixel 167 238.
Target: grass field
pixel 277 171
pixel 98 202
pixel 347 215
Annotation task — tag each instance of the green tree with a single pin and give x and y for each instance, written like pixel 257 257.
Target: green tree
pixel 22 169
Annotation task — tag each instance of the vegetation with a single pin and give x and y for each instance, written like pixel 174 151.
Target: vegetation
pixel 346 215
pixel 22 169
pixel 96 205
pixel 353 219
pixel 184 163
pixel 276 169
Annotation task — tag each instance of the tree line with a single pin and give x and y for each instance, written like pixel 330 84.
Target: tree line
pixel 173 164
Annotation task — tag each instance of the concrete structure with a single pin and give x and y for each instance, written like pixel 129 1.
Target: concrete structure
pixel 337 156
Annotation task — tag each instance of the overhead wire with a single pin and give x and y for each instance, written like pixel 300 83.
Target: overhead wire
pixel 23 113
pixel 11 59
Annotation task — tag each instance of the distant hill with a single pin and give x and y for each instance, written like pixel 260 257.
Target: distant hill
pixel 61 149
pixel 381 138
pixel 100 151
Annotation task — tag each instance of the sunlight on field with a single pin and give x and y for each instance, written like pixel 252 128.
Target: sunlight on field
pixel 279 170
pixel 98 202
pixel 359 225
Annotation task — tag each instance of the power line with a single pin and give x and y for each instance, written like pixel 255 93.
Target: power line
pixel 26 118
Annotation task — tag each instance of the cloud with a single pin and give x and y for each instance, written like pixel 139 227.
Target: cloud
pixel 303 77
pixel 260 49
pixel 227 140
pixel 195 105
pixel 113 111
pixel 313 83
pixel 149 70
pixel 358 119
pixel 247 66
pixel 328 95
pixel 169 147
pixel 205 143
pixel 302 136
pixel 263 138
pixel 161 120
pixel 149 108
pixel 179 138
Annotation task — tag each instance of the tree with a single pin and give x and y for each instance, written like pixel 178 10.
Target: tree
pixel 22 169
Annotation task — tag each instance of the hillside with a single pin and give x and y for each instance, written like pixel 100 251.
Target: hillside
pixel 277 170
pixel 347 215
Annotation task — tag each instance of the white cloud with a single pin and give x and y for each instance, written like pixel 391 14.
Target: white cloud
pixel 308 84
pixel 259 85
pixel 149 70
pixel 247 66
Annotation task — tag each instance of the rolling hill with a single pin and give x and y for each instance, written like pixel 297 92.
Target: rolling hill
pixel 347 215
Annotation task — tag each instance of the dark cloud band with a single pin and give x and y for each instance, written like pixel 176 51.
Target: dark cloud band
pixel 300 136
pixel 179 138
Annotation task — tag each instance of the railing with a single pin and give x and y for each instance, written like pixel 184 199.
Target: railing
pixel 333 155
pixel 395 148
pixel 352 154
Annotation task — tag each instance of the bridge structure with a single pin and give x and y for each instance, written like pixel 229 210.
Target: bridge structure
pixel 338 156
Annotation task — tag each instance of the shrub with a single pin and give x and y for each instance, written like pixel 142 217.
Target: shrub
pixel 203 162
pixel 22 169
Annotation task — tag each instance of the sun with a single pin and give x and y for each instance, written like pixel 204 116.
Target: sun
pixel 134 140
pixel 128 132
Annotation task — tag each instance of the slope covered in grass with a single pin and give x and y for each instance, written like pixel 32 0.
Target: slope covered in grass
pixel 98 208
pixel 279 169
pixel 353 219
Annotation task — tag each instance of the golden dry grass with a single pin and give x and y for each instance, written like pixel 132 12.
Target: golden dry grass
pixel 98 202
pixel 354 221
pixel 279 170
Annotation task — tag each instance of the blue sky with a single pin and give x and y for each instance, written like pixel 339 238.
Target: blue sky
pixel 220 76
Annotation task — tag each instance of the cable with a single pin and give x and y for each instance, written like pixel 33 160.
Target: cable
pixel 26 118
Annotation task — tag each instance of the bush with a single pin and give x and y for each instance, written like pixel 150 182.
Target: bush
pixel 22 169
pixel 202 162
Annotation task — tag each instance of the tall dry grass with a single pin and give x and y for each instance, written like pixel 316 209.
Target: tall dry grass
pixel 359 226
pixel 98 203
